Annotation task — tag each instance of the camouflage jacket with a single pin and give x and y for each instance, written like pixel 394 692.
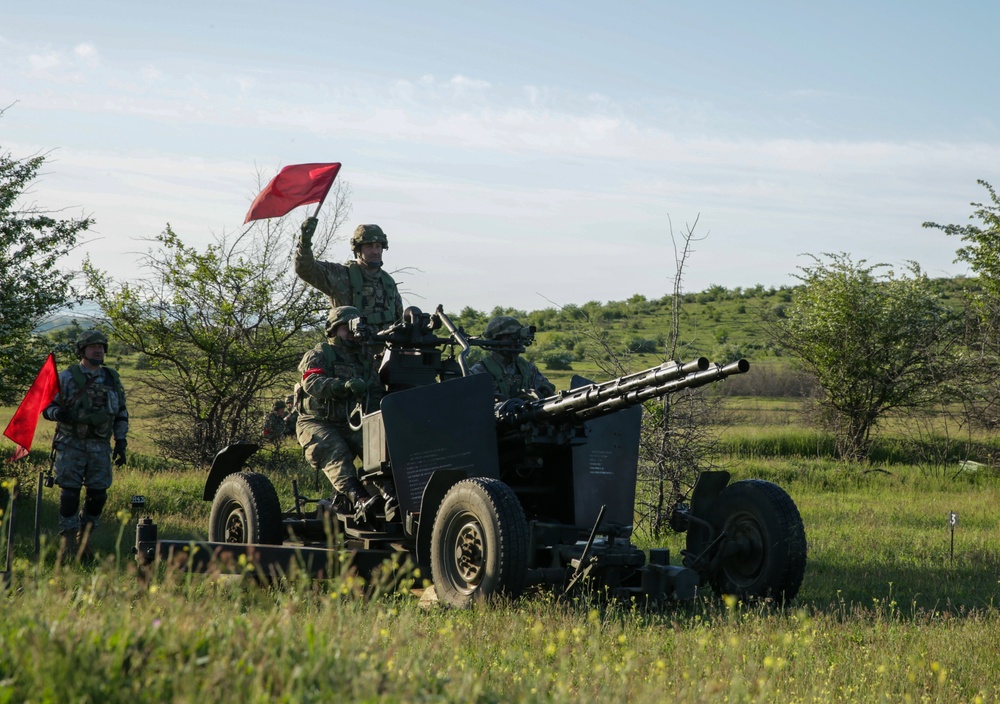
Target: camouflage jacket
pixel 96 401
pixel 325 370
pixel 513 378
pixel 374 293
pixel 274 425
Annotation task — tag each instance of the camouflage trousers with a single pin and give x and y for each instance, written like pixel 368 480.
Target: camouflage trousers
pixel 82 463
pixel 331 447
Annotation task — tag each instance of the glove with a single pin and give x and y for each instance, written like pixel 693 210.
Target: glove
pixel 509 409
pixel 308 230
pixel 356 387
pixel 118 454
pixel 59 414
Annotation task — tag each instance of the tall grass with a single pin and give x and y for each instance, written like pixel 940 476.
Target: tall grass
pixel 931 451
pixel 105 635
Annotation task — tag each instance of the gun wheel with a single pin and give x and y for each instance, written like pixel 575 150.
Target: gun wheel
pixel 764 552
pixel 479 544
pixel 245 510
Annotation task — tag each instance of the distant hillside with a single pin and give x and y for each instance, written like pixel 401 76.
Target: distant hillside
pixel 719 323
pixel 83 315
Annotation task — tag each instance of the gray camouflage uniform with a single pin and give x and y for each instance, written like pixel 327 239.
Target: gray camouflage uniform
pixel 83 446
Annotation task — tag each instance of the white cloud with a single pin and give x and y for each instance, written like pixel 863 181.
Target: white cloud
pixel 151 74
pixel 87 53
pixel 48 61
pixel 465 83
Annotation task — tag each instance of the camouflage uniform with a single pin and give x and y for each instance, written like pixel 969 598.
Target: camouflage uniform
pixel 322 427
pixel 513 377
pixel 95 402
pixel 292 418
pixel 371 291
pixel 274 422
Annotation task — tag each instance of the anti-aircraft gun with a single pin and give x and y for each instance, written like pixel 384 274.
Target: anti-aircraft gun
pixel 496 497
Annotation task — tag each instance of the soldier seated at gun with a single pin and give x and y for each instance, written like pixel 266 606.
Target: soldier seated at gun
pixel 339 383
pixel 513 376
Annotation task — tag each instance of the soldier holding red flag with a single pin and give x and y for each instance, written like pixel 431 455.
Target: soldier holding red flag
pixel 361 283
pixel 90 412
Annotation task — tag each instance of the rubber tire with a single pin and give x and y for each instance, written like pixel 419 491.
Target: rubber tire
pixel 479 544
pixel 246 510
pixel 760 515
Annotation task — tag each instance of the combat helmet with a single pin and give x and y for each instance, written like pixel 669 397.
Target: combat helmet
pixel 90 337
pixel 338 316
pixel 368 233
pixel 501 325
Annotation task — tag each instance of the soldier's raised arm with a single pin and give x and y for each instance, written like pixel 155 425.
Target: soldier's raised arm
pixel 329 277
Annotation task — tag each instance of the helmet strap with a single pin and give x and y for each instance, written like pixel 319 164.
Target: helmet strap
pixel 367 264
pixel 91 363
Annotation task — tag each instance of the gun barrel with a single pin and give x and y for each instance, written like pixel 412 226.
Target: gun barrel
pixel 595 400
pixel 594 394
pixel 691 381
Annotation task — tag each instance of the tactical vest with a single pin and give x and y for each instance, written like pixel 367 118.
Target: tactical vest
pixel 377 303
pixel 89 407
pixel 506 383
pixel 336 410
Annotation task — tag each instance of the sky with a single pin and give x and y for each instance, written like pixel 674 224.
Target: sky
pixel 522 154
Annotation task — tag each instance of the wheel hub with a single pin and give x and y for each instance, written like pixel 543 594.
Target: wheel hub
pixel 469 553
pixel 236 526
pixel 743 552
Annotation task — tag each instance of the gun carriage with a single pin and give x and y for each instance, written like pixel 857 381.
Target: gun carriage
pixel 494 497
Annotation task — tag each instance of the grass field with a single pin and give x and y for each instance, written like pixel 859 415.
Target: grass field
pixel 887 612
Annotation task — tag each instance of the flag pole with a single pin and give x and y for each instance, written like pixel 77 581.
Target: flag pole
pixel 323 199
pixel 320 204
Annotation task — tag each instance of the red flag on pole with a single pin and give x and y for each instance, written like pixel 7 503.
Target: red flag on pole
pixel 21 428
pixel 294 185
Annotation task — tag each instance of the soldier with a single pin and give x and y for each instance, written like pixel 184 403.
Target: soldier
pixel 337 383
pixel 361 283
pixel 293 416
pixel 89 410
pixel 513 376
pixel 274 421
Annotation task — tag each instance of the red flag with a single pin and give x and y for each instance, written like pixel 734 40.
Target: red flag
pixel 21 428
pixel 294 185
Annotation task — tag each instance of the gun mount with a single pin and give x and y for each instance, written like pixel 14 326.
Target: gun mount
pixel 495 497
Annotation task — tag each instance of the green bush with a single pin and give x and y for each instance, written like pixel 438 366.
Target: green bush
pixel 560 360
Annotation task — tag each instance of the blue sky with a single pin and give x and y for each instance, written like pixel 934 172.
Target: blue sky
pixel 522 154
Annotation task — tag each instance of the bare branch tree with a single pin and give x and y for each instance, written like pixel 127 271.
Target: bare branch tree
pixel 221 328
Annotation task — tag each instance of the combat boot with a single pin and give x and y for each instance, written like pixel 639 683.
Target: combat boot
pixel 341 503
pixel 362 500
pixel 84 551
pixel 68 545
